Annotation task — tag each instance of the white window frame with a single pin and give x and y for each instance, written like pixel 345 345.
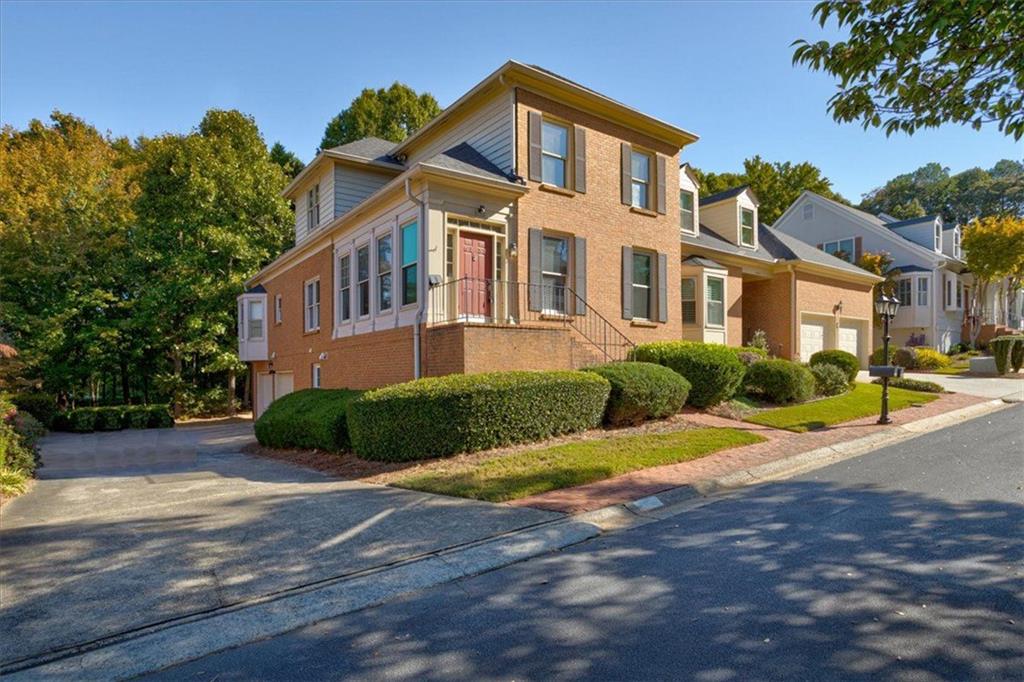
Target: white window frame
pixel 313 208
pixel 414 263
pixel 684 212
pixel 956 243
pixel 651 285
pixel 315 375
pixel 753 227
pixel 959 294
pixel 554 155
pixel 548 292
pixel 708 301
pixel 921 290
pixel 808 211
pixel 385 275
pixel 278 309
pixel 344 311
pixel 634 181
pixel 838 244
pixel 909 291
pixel 311 308
pixel 693 300
pixel 938 237
pixel 361 283
pixel 250 319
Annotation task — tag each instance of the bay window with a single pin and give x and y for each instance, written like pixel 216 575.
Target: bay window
pixel 255 321
pixel 903 291
pixel 715 301
pixel 689 300
pixel 363 282
pixel 922 291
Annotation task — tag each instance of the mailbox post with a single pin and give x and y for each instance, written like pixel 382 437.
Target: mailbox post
pixel 886 307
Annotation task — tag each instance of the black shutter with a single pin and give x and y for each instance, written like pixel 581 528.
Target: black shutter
pixel 580 275
pixel 627 282
pixel 580 152
pixel 662 287
pixel 535 302
pixel 661 183
pixel 535 146
pixel 627 175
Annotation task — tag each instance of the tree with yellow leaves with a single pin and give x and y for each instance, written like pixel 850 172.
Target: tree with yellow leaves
pixel 994 251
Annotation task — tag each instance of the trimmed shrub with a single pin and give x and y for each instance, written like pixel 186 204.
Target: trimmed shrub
pixel 160 416
pixel 877 357
pixel 1002 348
pixel 928 358
pixel 641 391
pixel 780 381
pixel 905 357
pixel 28 427
pixel 82 420
pixel 847 362
pixel 958 348
pixel 311 419
pixel 1017 355
pixel 109 418
pixel 113 418
pixel 912 384
pixel 829 379
pixel 713 370
pixel 441 416
pixel 42 406
pixel 135 417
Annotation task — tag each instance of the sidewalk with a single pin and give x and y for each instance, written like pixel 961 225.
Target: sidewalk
pixel 778 445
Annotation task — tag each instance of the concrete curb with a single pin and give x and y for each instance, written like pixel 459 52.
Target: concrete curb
pixel 676 500
pixel 150 649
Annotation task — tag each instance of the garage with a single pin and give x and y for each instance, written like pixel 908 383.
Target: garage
pixel 849 338
pixel 270 386
pixel 812 338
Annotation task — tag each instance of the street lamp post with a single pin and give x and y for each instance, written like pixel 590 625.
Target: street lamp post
pixel 886 307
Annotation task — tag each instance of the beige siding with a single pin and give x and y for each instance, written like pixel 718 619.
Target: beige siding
pixel 353 185
pixel 488 130
pixel 326 181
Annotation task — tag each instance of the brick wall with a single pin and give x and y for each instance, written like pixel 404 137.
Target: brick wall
pixel 599 215
pixel 820 295
pixel 767 306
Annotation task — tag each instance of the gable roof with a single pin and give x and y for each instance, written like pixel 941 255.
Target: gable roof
pixel 464 158
pixel 702 262
pixel 369 148
pixel 911 221
pixel 723 195
pixel 786 248
pixel 910 268
pixel 708 239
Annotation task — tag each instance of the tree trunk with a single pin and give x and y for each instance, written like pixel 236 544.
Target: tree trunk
pixel 231 392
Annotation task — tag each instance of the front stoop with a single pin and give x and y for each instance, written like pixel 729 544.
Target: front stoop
pixel 734 465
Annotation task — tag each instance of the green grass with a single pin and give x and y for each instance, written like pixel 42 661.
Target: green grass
pixel 863 401
pixel 563 466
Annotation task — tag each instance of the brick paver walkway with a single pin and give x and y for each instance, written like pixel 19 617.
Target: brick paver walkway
pixel 779 444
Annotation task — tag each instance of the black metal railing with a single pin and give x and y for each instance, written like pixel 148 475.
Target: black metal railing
pixel 474 300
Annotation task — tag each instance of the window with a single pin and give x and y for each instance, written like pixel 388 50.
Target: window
pixel 313 208
pixel 808 211
pixel 554 265
pixel 449 255
pixel 922 291
pixel 642 285
pixel 363 282
pixel 715 296
pixel 410 248
pixel 959 294
pixel 315 378
pixel 384 273
pixel 938 237
pixel 554 153
pixel 956 243
pixel 949 293
pixel 686 210
pixel 345 288
pixel 641 173
pixel 747 226
pixel 278 312
pixel 255 327
pixel 844 249
pixel 689 300
pixel 903 292
pixel 312 303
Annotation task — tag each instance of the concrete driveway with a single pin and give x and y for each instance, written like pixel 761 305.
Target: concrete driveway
pixel 985 387
pixel 129 529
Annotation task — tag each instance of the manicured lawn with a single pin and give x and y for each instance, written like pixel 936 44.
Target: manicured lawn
pixel 863 401
pixel 950 370
pixel 531 472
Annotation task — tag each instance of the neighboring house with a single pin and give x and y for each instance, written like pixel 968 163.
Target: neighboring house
pixel 534 224
pixel 933 282
pixel 528 226
pixel 740 276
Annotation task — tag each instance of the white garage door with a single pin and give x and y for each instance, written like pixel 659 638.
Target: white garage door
pixel 270 387
pixel 849 339
pixel 812 339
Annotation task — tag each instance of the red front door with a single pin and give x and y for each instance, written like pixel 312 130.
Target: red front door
pixel 476 259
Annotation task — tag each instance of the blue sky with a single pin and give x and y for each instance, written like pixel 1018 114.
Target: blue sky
pixel 721 70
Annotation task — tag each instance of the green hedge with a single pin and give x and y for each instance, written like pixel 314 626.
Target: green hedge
pixel 1002 348
pixel 641 391
pixel 311 419
pixel 1017 355
pixel 442 416
pixel 748 355
pixel 780 381
pixel 912 384
pixel 847 362
pixel 713 370
pixel 905 357
pixel 42 406
pixel 830 379
pixel 877 356
pixel 113 418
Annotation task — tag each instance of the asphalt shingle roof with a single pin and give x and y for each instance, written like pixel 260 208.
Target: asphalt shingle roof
pixel 912 221
pixel 723 195
pixel 710 240
pixel 371 148
pixel 465 159
pixel 702 262
pixel 784 247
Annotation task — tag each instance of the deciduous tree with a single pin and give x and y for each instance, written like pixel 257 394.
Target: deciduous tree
pixel 289 162
pixel 994 248
pixel 392 114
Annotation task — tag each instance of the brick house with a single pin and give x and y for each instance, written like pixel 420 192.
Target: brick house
pixel 534 224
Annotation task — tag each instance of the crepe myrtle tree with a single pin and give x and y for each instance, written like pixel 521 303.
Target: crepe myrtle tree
pixel 911 64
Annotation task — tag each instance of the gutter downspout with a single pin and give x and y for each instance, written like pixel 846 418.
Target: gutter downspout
pixel 417 361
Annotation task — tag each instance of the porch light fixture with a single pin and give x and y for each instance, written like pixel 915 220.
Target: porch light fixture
pixel 886 307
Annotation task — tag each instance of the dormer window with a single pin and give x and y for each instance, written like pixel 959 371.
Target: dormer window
pixel 313 208
pixel 746 227
pixel 956 243
pixel 938 237
pixel 641 179
pixel 686 211
pixel 554 153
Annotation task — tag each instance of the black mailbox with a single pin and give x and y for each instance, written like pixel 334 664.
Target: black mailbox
pixel 891 371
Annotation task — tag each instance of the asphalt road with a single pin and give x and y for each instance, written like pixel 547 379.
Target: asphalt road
pixel 907 563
